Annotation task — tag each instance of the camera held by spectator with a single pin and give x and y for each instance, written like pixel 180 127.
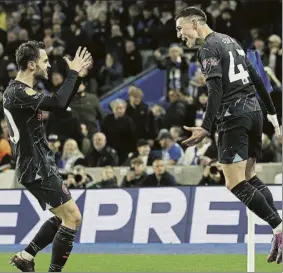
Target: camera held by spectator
pixel 78 178
pixel 213 174
pixel 135 175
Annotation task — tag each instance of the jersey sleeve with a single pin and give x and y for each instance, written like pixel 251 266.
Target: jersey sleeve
pixel 210 60
pixel 29 98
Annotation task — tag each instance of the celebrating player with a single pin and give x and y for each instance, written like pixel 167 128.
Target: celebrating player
pixel 232 84
pixel 35 167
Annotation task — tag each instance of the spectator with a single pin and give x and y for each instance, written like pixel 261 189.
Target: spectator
pixel 136 175
pixel 160 177
pixel 132 60
pixel 94 10
pixel 71 155
pixel 133 12
pixel 119 130
pixel 176 66
pixel 111 74
pixel 197 84
pixel 158 113
pixel 143 152
pixel 268 150
pixel 278 179
pixel 57 62
pixel 177 135
pixel 64 124
pixel 5 152
pixel 172 153
pixel 140 114
pixel 88 109
pixel 5 130
pixel 101 155
pixel 179 112
pixel 109 180
pixel 116 42
pixel 201 106
pixel 48 42
pixel 54 145
pixel 146 29
pixel 273 55
pixel 213 175
pixel 278 148
pixel 193 154
pixel 78 178
pixel 167 31
pixel 225 23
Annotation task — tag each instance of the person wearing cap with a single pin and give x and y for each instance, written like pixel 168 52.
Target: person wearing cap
pixel 143 152
pixel 54 144
pixel 172 152
pixel 136 174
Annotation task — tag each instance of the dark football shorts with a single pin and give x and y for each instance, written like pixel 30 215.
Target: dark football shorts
pixel 239 137
pixel 50 193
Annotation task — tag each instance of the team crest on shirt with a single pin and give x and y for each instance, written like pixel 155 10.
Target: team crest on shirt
pixel 29 91
pixel 209 62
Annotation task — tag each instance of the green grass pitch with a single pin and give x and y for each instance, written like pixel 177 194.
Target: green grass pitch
pixel 153 263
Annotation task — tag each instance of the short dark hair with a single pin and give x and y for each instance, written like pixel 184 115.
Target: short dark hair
pixel 27 52
pixel 192 11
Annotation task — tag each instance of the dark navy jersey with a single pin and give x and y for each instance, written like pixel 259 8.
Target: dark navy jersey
pixel 23 113
pixel 221 56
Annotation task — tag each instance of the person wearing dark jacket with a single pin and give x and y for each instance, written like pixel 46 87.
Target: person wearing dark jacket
pixel 120 130
pixel 109 180
pixel 64 124
pixel 143 152
pixel 179 112
pixel 136 175
pixel 160 177
pixel 110 74
pixel 140 113
pixel 132 60
pixel 101 155
pixel 176 67
pixel 88 109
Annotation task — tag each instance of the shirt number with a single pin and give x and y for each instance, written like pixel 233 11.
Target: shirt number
pixel 243 74
pixel 16 134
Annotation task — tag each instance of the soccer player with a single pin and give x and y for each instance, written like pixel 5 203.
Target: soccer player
pixel 35 167
pixel 232 104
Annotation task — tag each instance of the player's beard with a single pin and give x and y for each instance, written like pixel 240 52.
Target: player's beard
pixel 39 74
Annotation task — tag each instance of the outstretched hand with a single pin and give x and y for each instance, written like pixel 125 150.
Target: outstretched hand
pixel 198 134
pixel 81 61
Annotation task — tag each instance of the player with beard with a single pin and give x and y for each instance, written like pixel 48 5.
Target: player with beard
pixel 232 104
pixel 35 162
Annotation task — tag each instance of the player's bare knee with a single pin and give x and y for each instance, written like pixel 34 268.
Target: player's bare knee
pixel 72 218
pixel 234 174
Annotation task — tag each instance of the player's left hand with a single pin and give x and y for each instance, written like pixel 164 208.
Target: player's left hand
pixel 85 70
pixel 273 119
pixel 198 134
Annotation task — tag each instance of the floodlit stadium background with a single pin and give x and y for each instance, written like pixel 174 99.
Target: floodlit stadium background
pixel 134 47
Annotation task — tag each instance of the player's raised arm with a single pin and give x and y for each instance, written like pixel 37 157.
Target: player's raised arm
pixel 64 95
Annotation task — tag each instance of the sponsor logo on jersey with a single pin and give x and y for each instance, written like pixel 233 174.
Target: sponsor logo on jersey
pixel 30 91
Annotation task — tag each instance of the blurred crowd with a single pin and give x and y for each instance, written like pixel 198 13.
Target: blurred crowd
pixel 125 38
